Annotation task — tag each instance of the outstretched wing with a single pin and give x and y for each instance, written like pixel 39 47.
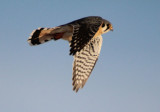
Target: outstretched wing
pixel 84 62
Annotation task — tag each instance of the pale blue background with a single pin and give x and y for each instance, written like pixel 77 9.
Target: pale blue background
pixel 38 79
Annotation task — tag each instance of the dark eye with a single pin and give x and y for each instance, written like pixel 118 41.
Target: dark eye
pixel 108 25
pixel 103 25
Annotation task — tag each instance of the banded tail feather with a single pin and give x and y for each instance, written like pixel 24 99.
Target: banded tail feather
pixel 42 35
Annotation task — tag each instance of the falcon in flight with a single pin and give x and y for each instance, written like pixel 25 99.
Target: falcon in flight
pixel 84 37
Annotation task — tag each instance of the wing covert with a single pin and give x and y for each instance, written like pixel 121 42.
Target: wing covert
pixel 83 32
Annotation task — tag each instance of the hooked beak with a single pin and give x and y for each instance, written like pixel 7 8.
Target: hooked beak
pixel 111 28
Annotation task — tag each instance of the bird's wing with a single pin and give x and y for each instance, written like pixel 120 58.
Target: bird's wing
pixel 84 62
pixel 82 34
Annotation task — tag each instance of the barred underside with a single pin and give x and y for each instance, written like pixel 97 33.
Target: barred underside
pixel 84 62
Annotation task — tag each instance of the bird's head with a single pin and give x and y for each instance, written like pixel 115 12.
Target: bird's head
pixel 106 26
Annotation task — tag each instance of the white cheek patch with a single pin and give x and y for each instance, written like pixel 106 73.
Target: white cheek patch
pixel 104 28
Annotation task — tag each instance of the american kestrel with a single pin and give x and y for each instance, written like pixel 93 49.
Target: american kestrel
pixel 84 36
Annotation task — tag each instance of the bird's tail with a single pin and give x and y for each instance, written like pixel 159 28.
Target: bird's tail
pixel 42 35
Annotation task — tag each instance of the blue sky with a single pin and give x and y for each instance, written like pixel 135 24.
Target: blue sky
pixel 126 77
